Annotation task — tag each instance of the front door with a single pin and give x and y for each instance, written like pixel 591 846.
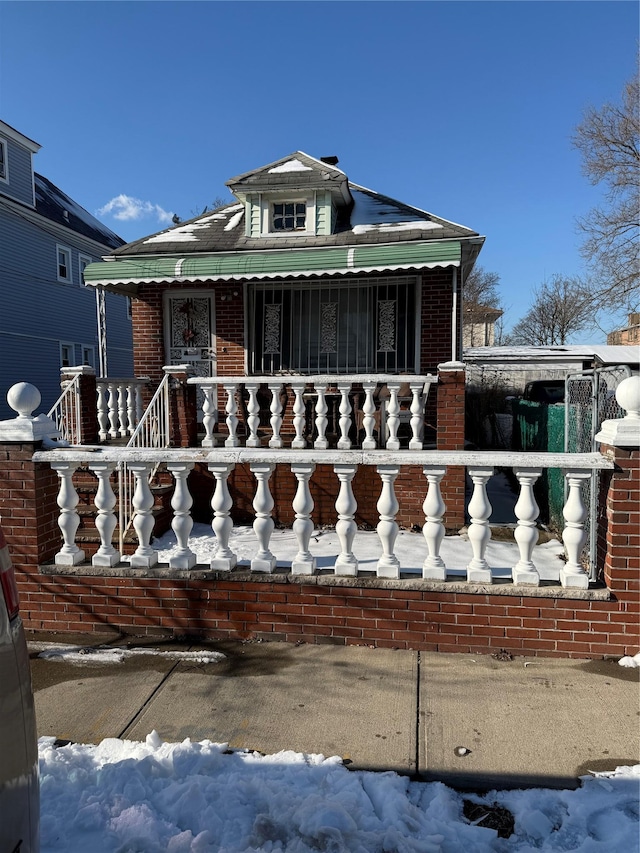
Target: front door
pixel 190 331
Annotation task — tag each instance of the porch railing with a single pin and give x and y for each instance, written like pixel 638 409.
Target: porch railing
pixel 342 411
pixel 119 406
pixel 66 412
pixel 427 559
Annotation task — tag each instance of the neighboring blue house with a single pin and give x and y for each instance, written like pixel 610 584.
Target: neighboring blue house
pixel 48 318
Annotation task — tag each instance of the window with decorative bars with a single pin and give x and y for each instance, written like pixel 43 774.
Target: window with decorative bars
pixel 360 326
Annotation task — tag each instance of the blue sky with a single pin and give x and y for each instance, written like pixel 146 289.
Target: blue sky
pixel 464 109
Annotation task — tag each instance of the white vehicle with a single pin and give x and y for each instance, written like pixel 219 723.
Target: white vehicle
pixel 19 783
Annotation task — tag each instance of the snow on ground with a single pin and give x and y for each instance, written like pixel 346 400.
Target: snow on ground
pixel 410 548
pixel 113 654
pixel 155 797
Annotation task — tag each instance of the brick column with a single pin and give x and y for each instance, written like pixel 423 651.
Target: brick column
pixel 450 436
pixel 183 410
pixel 88 400
pixel 28 491
pixel 620 441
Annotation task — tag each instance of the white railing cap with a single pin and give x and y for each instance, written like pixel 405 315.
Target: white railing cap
pixel 624 432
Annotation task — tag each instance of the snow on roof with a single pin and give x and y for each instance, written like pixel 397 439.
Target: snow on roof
pixel 291 166
pixel 568 352
pixel 397 226
pixel 186 233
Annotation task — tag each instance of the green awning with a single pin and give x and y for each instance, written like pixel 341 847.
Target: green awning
pixel 124 275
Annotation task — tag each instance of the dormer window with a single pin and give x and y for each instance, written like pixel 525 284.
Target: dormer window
pixel 289 216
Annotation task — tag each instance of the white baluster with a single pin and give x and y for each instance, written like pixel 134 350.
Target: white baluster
pixel 304 563
pixel 264 561
pixel 182 523
pixel 393 417
pixel 122 410
pixel 298 442
pixel 346 506
pixel 131 409
pixel 145 557
pixel 573 574
pixel 526 533
pixel 344 442
pixel 276 415
pixel 321 442
pixel 112 406
pixel 68 520
pixel 103 413
pixel 369 421
pixel 478 570
pixel 417 416
pixel 231 409
pixel 106 520
pixel 253 414
pixel 209 414
pixel 388 565
pixel 433 531
pixel 224 559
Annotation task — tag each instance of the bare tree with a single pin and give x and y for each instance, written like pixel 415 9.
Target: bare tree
pixel 609 141
pixel 561 307
pixel 482 307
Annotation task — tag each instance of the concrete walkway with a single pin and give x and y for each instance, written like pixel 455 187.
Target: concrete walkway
pixel 469 721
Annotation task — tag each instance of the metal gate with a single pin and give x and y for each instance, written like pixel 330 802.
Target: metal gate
pixel 589 400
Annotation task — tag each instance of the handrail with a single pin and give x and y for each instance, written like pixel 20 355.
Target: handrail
pixel 152 431
pixel 66 412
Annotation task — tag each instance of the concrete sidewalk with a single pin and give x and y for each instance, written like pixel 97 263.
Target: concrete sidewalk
pixel 469 721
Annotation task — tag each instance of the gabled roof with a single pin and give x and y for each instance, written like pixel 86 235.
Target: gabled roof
pixel 57 206
pixel 295 171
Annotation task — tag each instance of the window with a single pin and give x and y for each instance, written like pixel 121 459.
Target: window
pixel 67 357
pixel 289 216
pixel 64 263
pixel 88 356
pixel 363 326
pixel 3 160
pixel 83 261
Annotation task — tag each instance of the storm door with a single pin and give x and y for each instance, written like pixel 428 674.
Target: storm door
pixel 190 331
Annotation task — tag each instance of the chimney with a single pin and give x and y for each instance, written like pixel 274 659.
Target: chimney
pixel 330 161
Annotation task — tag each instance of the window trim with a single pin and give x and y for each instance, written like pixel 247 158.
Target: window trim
pixel 87 349
pixel 72 348
pixel 5 160
pixel 89 260
pixel 61 248
pixel 266 214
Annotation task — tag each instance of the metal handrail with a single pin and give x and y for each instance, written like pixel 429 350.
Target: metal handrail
pixel 66 412
pixel 152 431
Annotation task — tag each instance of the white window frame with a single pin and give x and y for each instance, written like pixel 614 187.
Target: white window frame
pixel 5 160
pixel 266 217
pixel 72 348
pixel 69 278
pixel 83 261
pixel 88 355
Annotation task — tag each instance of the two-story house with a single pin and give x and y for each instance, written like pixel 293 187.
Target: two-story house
pixel 48 318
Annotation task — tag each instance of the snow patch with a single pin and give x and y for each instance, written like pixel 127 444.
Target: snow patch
pixel 294 165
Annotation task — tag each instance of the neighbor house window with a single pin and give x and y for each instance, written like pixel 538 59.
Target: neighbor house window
pixel 289 216
pixel 83 261
pixel 64 263
pixel 363 326
pixel 88 356
pixel 67 358
pixel 3 160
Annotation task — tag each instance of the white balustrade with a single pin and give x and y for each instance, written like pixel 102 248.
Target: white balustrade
pixel 231 409
pixel 388 565
pixel 122 410
pixel 393 416
pixel 369 421
pixel 346 409
pixel 144 557
pixel 417 416
pixel 112 406
pixel 209 414
pixel 224 559
pixel 263 504
pixel 119 406
pixel 131 409
pixel 426 559
pixel 276 415
pixel 299 412
pixel 68 520
pixel 103 411
pixel 106 521
pixel 321 442
pixel 182 523
pixel 526 532
pixel 253 414
pixel 574 535
pixel 304 563
pixel 346 506
pixel 478 570
pixel 433 531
